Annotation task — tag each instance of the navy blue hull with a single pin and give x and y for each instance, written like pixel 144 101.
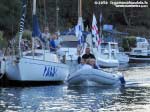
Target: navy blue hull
pixel 139 59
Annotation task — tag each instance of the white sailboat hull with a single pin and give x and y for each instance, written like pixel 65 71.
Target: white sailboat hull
pixel 27 69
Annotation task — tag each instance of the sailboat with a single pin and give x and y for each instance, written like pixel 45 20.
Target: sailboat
pixel 35 65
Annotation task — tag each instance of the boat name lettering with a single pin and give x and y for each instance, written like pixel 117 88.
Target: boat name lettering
pixel 49 71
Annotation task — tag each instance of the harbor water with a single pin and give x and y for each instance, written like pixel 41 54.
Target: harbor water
pixel 134 96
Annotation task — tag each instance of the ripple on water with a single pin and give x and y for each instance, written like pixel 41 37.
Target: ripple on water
pixel 133 97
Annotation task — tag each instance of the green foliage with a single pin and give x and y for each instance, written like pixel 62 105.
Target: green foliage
pixel 27 34
pixel 3 42
pixel 10 11
pixel 128 43
pixel 10 14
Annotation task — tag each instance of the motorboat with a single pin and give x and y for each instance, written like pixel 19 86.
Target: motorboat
pixel 120 56
pixel 141 53
pixel 109 55
pixel 105 56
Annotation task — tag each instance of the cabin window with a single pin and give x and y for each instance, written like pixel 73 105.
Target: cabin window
pixel 138 51
pixel 72 44
pixel 140 40
pixel 35 54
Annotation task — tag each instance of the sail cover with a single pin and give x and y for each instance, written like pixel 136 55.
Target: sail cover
pixel 36 32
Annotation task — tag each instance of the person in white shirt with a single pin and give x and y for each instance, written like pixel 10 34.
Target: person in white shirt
pixel 46 36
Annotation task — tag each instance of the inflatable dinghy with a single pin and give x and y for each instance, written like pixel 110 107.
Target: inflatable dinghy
pixel 98 76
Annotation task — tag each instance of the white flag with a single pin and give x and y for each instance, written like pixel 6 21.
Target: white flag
pixel 95 31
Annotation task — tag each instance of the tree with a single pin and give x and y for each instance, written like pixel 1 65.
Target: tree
pixel 10 15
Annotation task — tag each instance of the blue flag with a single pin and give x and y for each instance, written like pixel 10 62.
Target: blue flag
pixel 79 30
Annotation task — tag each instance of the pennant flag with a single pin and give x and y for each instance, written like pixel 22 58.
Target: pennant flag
pixel 36 29
pixel 95 31
pixel 22 20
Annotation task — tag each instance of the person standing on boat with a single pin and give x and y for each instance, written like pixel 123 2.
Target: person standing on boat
pixel 90 58
pixel 46 35
pixel 57 40
pixel 87 54
pixel 52 44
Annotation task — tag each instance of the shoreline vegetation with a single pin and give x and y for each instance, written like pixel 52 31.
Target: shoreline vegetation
pixel 134 21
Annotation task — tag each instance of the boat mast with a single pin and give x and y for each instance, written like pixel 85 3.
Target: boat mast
pixel 80 20
pixel 79 8
pixel 34 7
pixel 80 13
pixel 57 16
pixel 33 13
pixel 45 15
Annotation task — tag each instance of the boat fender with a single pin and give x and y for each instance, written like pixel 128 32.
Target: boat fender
pixel 3 66
pixel 122 80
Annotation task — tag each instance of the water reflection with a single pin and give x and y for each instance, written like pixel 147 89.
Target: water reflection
pixel 74 99
pixel 28 99
pixel 93 98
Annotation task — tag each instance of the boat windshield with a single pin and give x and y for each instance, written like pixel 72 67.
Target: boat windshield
pixel 104 45
pixel 141 40
pixel 70 44
pixel 114 46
